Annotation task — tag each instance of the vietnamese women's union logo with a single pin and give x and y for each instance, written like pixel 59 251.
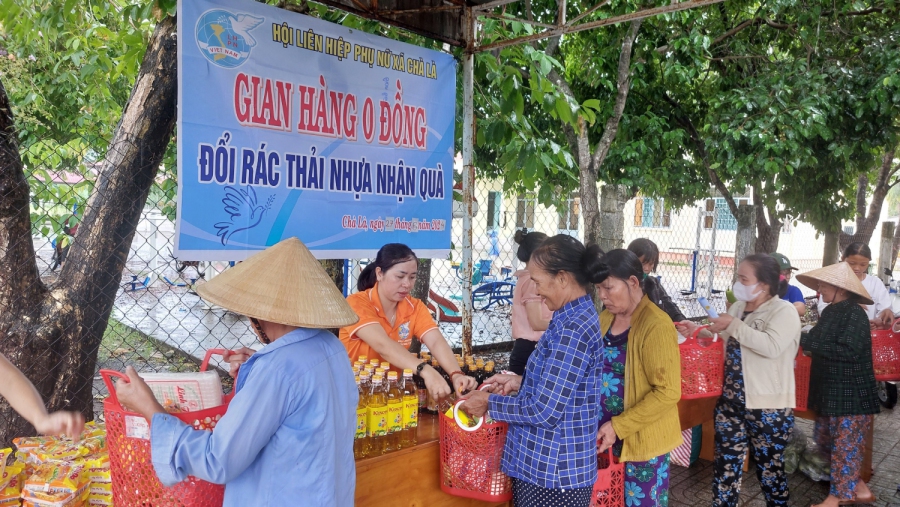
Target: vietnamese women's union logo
pixel 244 212
pixel 224 37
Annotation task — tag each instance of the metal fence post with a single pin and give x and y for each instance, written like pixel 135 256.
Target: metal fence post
pixel 468 181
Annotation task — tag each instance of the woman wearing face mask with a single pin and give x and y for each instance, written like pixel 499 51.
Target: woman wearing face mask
pixel 551 448
pixel 756 406
pixel 641 381
pixel 389 318
pixel 842 389
pixel 881 316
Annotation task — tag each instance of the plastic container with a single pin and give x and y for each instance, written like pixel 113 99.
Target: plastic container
pixel 702 367
pixel 802 367
pixel 128 440
pixel 470 459
pixel 886 355
pixel 609 490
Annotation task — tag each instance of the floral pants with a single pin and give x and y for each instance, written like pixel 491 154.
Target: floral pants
pixel 841 438
pixel 737 429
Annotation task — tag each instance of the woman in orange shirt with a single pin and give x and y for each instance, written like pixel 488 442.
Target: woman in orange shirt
pixel 389 318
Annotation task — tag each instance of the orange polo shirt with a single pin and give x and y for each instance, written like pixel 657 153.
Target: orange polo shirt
pixel 412 319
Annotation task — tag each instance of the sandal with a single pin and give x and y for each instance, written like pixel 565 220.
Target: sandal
pixel 854 501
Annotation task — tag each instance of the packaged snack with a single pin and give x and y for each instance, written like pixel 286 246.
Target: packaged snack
pixel 50 479
pixel 100 498
pixel 185 392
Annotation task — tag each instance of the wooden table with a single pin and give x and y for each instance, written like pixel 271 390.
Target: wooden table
pixel 409 477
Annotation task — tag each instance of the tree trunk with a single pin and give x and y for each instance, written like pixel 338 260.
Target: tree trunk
pixel 53 333
pixel 895 248
pixel 867 222
pixel 420 291
pixel 589 163
pixel 612 216
pixel 745 242
pixel 768 231
pixel 423 281
pixel 831 255
pixel 335 270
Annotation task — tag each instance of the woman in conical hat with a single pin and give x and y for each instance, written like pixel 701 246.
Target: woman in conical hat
pixel 842 388
pixel 859 256
pixel 287 437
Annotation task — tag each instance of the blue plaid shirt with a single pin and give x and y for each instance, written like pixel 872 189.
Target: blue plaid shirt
pixel 552 439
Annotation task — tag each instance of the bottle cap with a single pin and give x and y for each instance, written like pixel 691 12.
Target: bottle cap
pixel 386 366
pixel 392 375
pixel 407 372
pixel 365 375
pixel 375 362
pixel 363 359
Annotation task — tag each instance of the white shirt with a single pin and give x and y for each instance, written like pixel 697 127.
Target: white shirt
pixel 877 292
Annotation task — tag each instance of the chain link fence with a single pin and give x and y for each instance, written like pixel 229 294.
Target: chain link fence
pixel 158 323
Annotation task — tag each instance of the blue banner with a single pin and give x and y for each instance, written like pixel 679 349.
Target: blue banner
pixel 292 126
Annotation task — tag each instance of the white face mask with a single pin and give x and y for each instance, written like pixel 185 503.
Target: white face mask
pixel 745 292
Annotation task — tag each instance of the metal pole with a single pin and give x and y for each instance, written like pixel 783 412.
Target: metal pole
pixel 712 253
pixel 468 180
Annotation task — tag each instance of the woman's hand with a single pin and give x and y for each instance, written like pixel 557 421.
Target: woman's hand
pixel 476 403
pixel 235 358
pixel 686 327
pixel 720 323
pixel 464 383
pixel 70 424
pixel 503 383
pixel 435 383
pixel 606 437
pixel 887 318
pixel 136 395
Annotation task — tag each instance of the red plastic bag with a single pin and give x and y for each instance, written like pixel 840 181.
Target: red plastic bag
pixel 609 490
pixel 886 355
pixel 702 367
pixel 134 481
pixel 470 459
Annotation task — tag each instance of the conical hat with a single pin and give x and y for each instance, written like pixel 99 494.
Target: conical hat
pixel 284 284
pixel 840 275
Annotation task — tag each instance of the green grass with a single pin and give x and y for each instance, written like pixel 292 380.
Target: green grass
pixel 127 344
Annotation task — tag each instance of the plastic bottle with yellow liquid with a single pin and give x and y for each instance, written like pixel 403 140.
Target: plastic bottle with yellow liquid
pixel 365 383
pixel 395 413
pixel 410 411
pixel 359 439
pixel 377 412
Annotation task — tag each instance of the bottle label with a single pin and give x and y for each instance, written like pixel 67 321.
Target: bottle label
pixel 361 417
pixel 377 421
pixel 410 412
pixel 395 416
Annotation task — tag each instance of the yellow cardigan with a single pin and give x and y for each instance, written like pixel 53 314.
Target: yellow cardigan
pixel 649 426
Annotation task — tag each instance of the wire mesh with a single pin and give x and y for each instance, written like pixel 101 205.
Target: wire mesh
pixel 158 323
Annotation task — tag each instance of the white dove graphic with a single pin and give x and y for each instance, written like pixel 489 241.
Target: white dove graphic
pixel 242 24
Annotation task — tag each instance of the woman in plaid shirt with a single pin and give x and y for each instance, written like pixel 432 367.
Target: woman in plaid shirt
pixel 551 447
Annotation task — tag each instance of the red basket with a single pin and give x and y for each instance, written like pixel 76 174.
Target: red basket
pixel 609 490
pixel 470 460
pixel 802 367
pixel 134 481
pixel 702 367
pixel 886 355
